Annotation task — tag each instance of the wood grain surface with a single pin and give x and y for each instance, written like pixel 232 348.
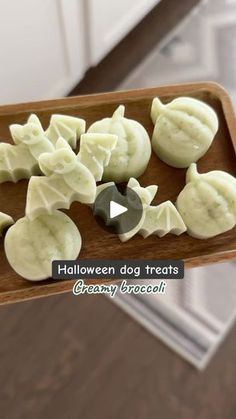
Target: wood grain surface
pixel 69 357
pixel 96 242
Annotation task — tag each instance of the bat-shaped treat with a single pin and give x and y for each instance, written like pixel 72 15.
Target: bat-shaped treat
pixel 20 161
pixel 66 180
pixel 161 220
pixel 146 196
pixel 16 163
pixel 69 177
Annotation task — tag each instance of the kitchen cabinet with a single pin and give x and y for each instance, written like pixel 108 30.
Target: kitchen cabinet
pixel 110 20
pixel 42 48
pixel 47 45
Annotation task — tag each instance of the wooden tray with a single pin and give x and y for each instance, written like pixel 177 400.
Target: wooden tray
pixel 96 242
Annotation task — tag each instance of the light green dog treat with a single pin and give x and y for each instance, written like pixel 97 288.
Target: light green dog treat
pixel 32 136
pixel 131 155
pixel 31 246
pixel 95 152
pixel 5 221
pixel 103 186
pixel 17 129
pixel 207 203
pixel 184 130
pixel 20 161
pixel 146 196
pixel 67 180
pixel 161 220
pixel 68 127
pixel 16 162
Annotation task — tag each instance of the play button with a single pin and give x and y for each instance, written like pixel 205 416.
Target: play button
pixel 116 209
pixel 117 212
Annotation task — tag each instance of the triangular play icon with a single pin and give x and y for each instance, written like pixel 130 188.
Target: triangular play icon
pixel 116 209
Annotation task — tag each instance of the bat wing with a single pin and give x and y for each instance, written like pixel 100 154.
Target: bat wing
pixel 95 152
pixel 16 162
pixel 48 193
pixel 126 236
pixel 68 127
pixel 161 220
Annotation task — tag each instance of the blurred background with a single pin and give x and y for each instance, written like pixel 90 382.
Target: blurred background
pixel 51 47
pixel 80 358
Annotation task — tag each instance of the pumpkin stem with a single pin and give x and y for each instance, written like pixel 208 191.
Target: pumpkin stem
pixel 119 113
pixel 192 173
pixel 156 109
pixel 5 221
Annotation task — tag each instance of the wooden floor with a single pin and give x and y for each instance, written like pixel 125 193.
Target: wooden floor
pixel 69 357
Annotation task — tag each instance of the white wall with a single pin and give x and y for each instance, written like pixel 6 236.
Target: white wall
pixel 110 20
pixel 41 48
pixel 47 45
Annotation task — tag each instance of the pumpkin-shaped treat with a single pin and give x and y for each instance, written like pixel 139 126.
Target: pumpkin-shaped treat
pixel 184 130
pixel 31 246
pixel 207 203
pixel 5 221
pixel 131 155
